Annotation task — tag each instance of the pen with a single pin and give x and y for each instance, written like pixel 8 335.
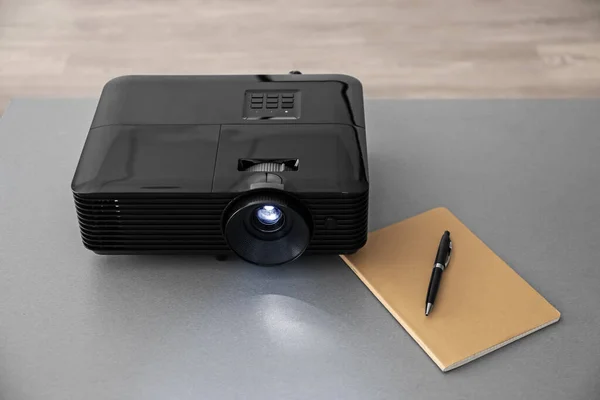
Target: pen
pixel 441 263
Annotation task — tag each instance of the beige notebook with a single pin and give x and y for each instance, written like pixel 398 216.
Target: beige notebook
pixel 482 303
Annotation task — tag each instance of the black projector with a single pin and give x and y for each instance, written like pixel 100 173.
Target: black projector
pixel 267 166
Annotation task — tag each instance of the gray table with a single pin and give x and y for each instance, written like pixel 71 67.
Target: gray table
pixel 523 175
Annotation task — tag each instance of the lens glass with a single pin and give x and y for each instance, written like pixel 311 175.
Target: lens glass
pixel 268 215
pixel 267 228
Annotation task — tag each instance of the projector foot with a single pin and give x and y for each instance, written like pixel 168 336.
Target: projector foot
pixel 221 257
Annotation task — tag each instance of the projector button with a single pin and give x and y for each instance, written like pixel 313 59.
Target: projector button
pixel 330 223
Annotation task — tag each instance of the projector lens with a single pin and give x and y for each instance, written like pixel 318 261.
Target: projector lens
pixel 267 228
pixel 268 218
pixel 268 215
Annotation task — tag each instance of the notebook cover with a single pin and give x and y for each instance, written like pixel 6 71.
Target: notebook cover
pixel 482 303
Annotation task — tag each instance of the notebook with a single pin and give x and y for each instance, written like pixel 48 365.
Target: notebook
pixel 482 303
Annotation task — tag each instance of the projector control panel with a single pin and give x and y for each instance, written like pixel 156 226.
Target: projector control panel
pixel 280 104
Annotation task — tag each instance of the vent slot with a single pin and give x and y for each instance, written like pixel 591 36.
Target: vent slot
pixel 350 213
pixel 156 223
pixel 175 223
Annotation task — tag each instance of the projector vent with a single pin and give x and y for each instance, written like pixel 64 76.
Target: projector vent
pixel 340 221
pixel 126 224
pixel 176 224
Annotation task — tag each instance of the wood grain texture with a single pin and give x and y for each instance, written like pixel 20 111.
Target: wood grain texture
pixel 398 48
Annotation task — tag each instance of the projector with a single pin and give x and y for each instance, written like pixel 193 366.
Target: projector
pixel 269 167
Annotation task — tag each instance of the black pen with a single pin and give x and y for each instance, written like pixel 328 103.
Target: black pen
pixel 441 263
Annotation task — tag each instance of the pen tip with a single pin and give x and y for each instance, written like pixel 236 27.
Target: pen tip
pixel 428 309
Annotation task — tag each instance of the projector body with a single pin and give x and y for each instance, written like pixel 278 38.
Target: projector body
pixel 182 164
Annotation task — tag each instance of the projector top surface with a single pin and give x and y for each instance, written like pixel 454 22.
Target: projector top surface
pixel 200 134
pixel 228 99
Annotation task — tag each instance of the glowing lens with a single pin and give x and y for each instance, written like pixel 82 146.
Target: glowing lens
pixel 268 215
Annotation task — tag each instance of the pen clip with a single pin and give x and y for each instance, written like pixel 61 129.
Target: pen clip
pixel 449 254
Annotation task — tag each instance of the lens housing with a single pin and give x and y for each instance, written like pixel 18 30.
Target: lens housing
pixel 267 238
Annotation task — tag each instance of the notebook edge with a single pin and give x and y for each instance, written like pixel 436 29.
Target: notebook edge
pixel 500 345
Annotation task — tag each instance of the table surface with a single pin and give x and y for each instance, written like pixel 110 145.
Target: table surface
pixel 523 175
